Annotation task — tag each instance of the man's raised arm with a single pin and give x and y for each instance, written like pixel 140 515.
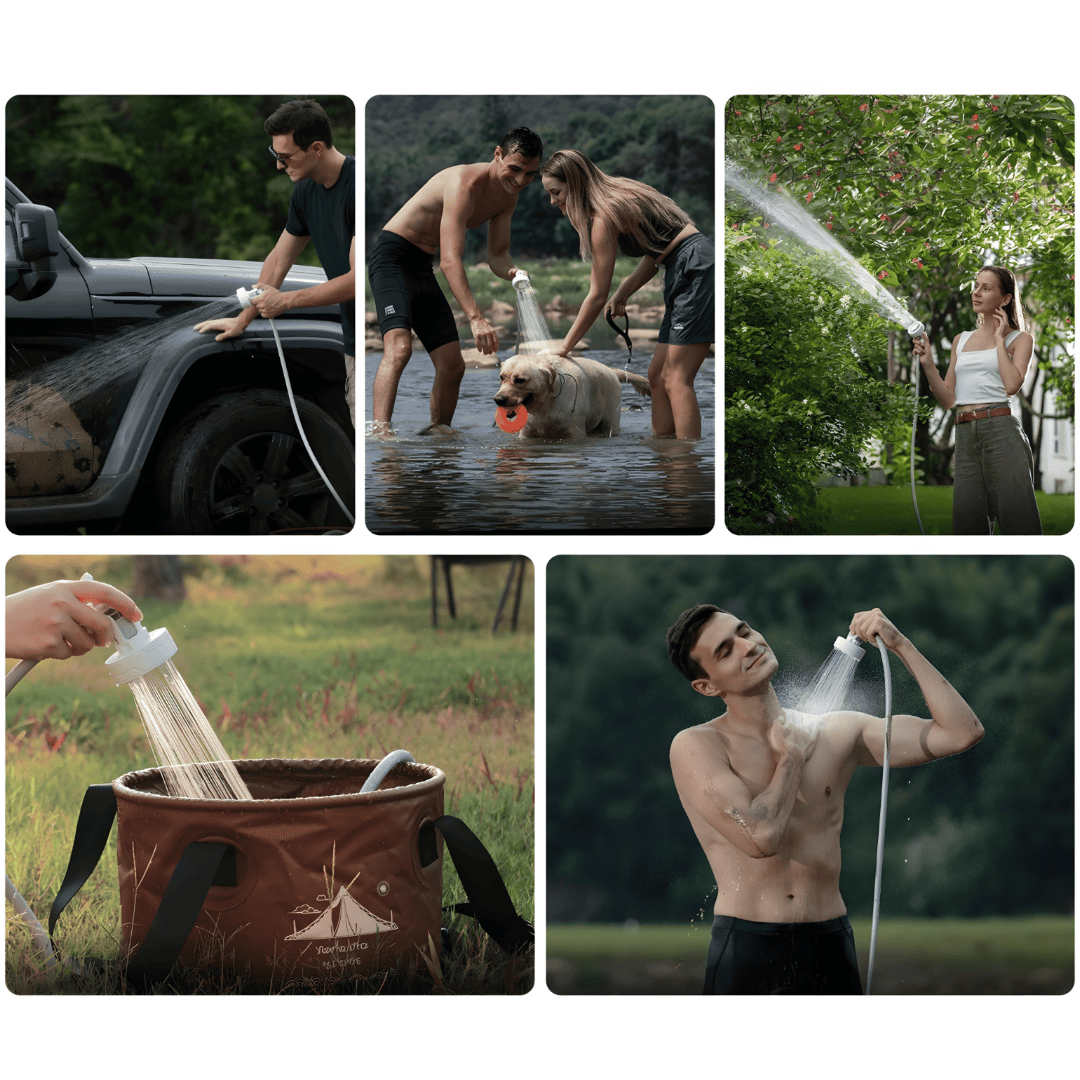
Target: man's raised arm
pixel 954 727
pixel 457 204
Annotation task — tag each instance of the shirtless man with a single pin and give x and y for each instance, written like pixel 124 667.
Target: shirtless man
pixel 764 793
pixel 407 297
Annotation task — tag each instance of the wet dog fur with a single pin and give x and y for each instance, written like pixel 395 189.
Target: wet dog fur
pixel 565 399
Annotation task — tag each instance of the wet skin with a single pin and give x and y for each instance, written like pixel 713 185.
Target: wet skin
pixel 765 797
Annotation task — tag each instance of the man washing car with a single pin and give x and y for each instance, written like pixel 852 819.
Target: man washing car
pixel 323 209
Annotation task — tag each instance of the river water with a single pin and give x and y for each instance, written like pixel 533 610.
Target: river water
pixel 482 480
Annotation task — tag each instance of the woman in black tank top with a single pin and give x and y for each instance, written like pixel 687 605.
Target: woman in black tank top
pixel 613 214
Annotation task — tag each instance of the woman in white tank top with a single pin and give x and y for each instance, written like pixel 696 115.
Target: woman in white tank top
pixel 992 470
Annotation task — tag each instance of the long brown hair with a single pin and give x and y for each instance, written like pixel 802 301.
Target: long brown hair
pixel 1008 284
pixel 632 207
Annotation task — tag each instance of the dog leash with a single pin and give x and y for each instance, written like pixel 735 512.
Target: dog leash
pixel 625 335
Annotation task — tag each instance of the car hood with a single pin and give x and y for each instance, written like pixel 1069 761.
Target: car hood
pixel 211 277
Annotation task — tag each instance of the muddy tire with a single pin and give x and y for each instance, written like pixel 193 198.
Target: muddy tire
pixel 237 465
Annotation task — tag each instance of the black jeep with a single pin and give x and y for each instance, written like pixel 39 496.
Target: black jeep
pixel 121 418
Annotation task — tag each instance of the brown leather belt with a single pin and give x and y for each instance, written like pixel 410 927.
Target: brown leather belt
pixel 981 414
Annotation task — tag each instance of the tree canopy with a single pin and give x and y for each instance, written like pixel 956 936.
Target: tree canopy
pixel 160 175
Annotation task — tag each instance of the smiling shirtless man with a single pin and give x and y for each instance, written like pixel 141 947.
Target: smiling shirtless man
pixel 407 296
pixel 764 792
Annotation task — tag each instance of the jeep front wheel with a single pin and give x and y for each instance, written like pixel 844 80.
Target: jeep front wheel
pixel 238 465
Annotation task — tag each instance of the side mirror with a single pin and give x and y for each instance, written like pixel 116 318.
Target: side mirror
pixel 36 241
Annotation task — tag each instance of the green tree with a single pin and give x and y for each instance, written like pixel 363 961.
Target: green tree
pixel 802 399
pixel 159 175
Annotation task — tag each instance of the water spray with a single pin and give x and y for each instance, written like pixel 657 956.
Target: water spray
pixel 245 297
pixel 842 268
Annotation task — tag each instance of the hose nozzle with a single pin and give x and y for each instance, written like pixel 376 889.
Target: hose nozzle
pixel 848 647
pixel 245 296
pixel 916 329
pixel 520 281
pixel 137 650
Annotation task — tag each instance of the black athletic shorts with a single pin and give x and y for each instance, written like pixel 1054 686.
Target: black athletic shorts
pixel 406 293
pixel 690 293
pixel 782 958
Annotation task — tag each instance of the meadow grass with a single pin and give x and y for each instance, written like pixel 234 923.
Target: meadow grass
pixel 886 510
pixel 1013 942
pixel 333 659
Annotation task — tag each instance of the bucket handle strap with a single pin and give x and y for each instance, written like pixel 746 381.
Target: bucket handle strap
pixel 179 908
pixel 489 902
pixel 184 895
pixel 96 815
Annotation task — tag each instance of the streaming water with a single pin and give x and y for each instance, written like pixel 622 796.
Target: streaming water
pixel 841 267
pixel 828 691
pixel 534 335
pixel 102 366
pixel 194 764
pixel 482 480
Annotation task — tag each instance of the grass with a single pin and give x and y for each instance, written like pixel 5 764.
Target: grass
pixel 1018 942
pixel 887 511
pixel 289 657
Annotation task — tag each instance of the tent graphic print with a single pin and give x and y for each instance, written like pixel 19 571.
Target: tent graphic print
pixel 352 920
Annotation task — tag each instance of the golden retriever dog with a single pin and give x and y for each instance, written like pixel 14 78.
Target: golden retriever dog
pixel 565 399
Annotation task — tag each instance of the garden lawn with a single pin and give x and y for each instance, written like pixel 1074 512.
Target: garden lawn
pixel 873 510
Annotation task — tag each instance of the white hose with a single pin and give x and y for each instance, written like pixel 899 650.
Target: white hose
pixel 881 817
pixel 378 774
pixel 914 421
pixel 37 931
pixel 300 427
pixel 15 675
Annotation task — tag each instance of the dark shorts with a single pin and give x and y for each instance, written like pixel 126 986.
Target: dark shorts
pixel 782 958
pixel 690 293
pixel 407 296
pixel 993 478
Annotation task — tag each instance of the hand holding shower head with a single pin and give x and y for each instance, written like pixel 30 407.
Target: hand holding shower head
pixel 137 650
pixel 245 296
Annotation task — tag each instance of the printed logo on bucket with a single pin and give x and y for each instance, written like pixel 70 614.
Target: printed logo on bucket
pixel 344 918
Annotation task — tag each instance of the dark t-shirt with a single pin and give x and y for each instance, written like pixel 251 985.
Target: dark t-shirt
pixel 328 216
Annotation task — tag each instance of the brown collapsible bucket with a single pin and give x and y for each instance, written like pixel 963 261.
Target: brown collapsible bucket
pixel 317 880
